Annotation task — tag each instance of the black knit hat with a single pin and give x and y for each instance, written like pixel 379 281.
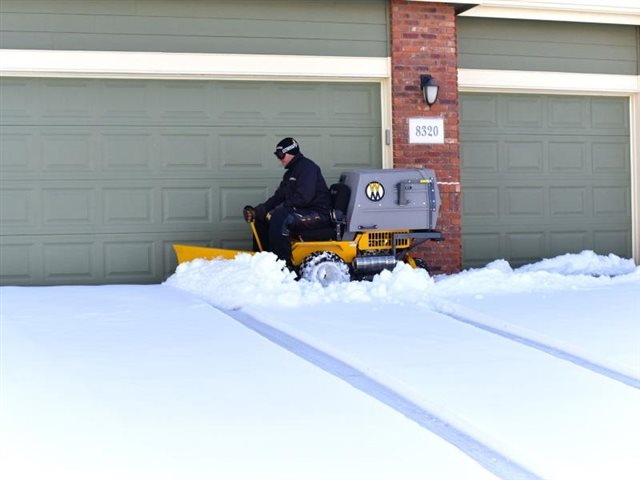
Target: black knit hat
pixel 287 145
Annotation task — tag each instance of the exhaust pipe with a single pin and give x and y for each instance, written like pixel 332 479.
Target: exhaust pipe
pixel 373 264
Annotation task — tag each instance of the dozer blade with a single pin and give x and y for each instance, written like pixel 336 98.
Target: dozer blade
pixel 186 253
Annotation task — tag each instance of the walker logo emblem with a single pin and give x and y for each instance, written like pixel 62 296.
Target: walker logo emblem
pixel 374 191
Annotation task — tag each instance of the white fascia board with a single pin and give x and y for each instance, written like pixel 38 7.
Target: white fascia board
pixel 553 15
pixel 69 64
pixel 477 80
pixel 622 12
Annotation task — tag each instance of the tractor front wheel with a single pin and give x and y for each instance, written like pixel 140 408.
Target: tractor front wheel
pixel 325 268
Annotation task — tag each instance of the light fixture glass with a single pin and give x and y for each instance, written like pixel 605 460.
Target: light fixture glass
pixel 429 89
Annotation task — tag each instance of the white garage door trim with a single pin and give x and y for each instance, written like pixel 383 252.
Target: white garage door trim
pixel 625 12
pixel 207 66
pixel 512 81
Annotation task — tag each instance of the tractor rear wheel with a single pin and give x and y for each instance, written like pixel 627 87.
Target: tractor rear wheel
pixel 325 268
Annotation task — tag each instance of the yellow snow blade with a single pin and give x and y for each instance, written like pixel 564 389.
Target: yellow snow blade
pixel 186 253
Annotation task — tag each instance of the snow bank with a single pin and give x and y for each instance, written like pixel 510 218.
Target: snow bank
pixel 565 272
pixel 584 263
pixel 263 280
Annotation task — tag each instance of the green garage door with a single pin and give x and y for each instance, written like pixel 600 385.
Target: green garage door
pixel 100 177
pixel 543 176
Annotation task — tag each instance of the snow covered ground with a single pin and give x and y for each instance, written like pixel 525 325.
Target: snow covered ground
pixel 232 369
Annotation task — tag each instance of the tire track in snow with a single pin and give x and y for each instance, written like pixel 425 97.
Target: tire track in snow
pixel 538 341
pixel 395 395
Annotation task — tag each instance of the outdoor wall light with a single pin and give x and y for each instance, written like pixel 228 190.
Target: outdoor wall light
pixel 429 89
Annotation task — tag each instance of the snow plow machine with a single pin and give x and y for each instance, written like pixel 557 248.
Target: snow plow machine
pixel 378 217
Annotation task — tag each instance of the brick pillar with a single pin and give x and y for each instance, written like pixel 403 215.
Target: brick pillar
pixel 423 41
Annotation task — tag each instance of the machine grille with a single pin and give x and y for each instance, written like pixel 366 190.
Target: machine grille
pixel 382 240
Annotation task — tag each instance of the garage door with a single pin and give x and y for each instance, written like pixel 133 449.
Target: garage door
pixel 543 176
pixel 100 177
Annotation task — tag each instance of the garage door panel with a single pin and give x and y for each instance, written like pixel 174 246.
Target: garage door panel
pixel 64 151
pixel 16 152
pixel 481 248
pixel 479 110
pixel 128 205
pixel 525 247
pixel 523 156
pixel 120 100
pixel 611 200
pixel 609 115
pixel 569 241
pixel 353 150
pixel 238 151
pixel 233 198
pixel 521 202
pixel 17 99
pixel 69 205
pixel 568 201
pixel 358 104
pixel 18 208
pixel 160 152
pixel 479 156
pixel 185 150
pixel 521 111
pixel 611 157
pixel 87 102
pixel 18 259
pixel 127 150
pixel 297 103
pixel 555 186
pixel 70 261
pixel 568 113
pixel 481 204
pixel 567 157
pixel 543 115
pixel 606 241
pixel 127 260
pixel 187 205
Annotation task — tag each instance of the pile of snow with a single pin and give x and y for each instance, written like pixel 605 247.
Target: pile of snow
pixel 263 280
pixel 584 263
pixel 564 272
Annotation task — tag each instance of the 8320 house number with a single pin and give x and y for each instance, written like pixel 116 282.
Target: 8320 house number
pixel 426 130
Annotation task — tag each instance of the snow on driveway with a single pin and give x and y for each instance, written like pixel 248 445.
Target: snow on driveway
pixel 553 418
pixel 552 415
pixel 147 382
pixel 575 317
pixel 406 376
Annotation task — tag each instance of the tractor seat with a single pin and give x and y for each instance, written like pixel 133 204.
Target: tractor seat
pixel 333 230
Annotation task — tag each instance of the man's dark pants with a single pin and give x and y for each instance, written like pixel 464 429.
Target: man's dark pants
pixel 275 233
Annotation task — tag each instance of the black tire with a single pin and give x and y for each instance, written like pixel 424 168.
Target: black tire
pixel 325 268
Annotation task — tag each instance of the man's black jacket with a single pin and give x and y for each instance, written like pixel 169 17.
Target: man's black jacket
pixel 303 187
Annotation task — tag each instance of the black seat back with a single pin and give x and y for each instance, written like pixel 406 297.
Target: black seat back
pixel 340 195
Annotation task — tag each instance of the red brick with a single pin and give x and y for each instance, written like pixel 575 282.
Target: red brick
pixel 424 42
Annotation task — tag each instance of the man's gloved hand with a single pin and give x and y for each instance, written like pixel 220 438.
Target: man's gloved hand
pixel 249 213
